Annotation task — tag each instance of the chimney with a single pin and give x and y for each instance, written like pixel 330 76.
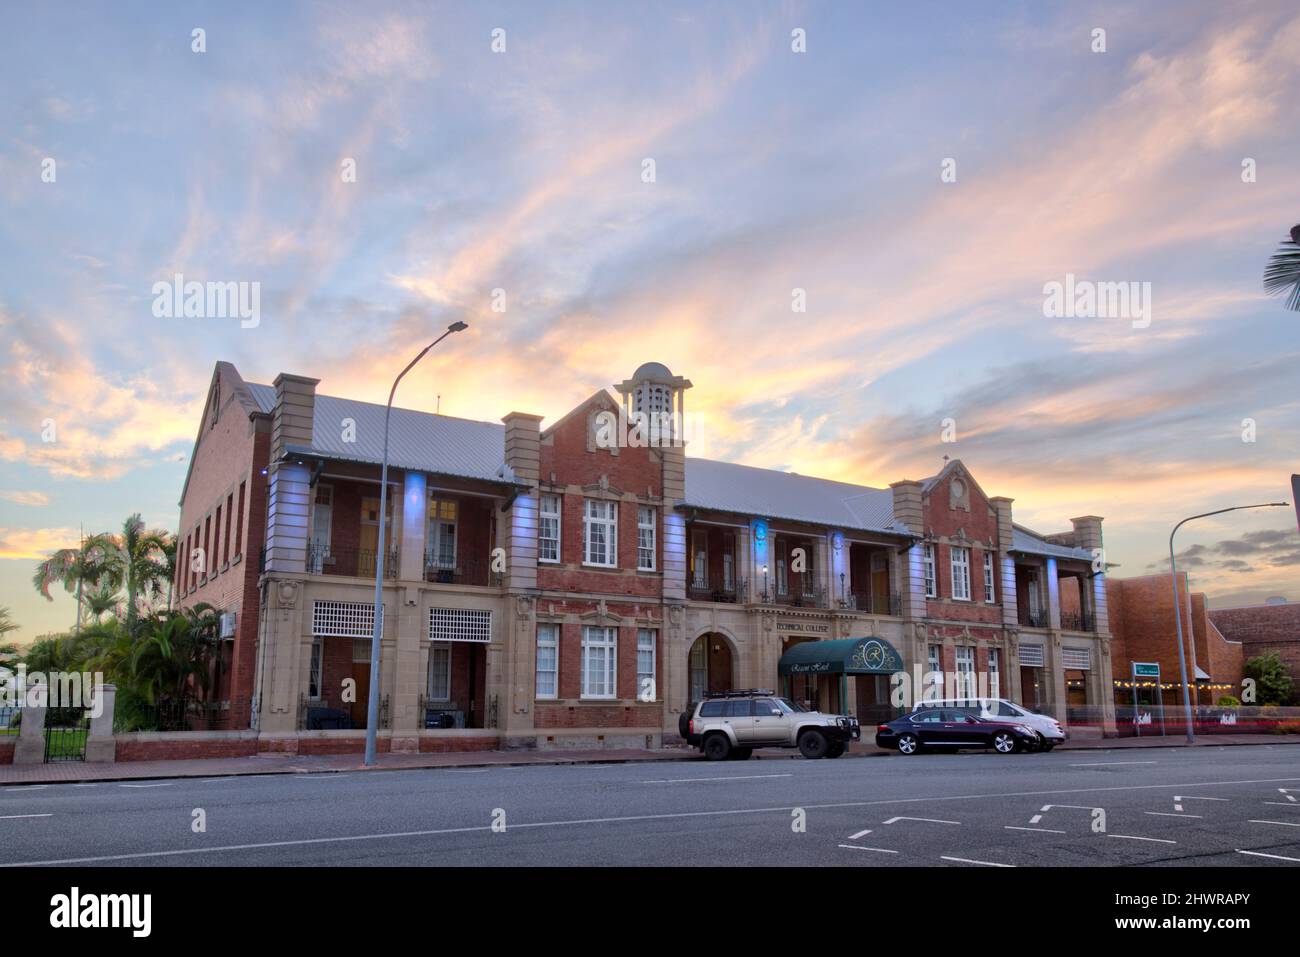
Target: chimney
pixel 1002 506
pixel 523 446
pixel 1087 531
pixel 907 506
pixel 295 408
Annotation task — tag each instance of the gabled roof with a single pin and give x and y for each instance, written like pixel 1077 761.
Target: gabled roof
pixel 238 390
pixel 744 490
pixel 417 440
pixel 1031 543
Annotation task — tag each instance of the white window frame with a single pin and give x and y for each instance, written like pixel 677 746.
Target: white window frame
pixel 965 665
pixel 959 562
pixel 591 520
pixel 995 673
pixel 437 530
pixel 548 638
pixel 934 661
pixel 647 520
pixel 928 572
pixel 603 639
pixel 646 642
pixel 322 513
pixel 699 558
pixel 438 648
pixel 990 579
pixel 546 516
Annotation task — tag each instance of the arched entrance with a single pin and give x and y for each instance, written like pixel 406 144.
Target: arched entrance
pixel 708 666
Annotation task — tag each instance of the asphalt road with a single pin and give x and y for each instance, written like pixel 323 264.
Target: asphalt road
pixel 1204 806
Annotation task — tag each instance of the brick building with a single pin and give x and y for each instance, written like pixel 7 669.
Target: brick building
pixel 1273 627
pixel 1143 630
pixel 551 587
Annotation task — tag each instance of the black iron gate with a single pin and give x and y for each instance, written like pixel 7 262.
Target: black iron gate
pixel 66 730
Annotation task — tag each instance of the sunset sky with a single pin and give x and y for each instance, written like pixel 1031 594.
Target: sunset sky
pixel 774 170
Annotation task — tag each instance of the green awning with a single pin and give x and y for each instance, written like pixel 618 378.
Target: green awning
pixel 841 656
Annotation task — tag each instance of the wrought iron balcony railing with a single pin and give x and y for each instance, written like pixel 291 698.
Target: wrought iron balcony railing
pixel 357 562
pixel 730 592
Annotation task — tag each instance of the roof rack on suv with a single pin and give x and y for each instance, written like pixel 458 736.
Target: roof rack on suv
pixel 738 694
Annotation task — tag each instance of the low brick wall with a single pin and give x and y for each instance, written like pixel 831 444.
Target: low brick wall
pixel 7 745
pixel 181 745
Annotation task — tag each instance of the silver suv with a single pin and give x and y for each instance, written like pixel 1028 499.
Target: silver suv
pixel 730 724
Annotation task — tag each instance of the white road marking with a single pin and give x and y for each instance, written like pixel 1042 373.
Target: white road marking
pixel 859 847
pixel 645 817
pixel 467 770
pixel 1047 807
pixel 1279 804
pixel 11 817
pixel 85 785
pixel 927 820
pixel 1134 837
pixel 29 787
pixel 733 777
pixel 1276 857
pixel 1281 823
pixel 1108 764
pixel 966 860
pixel 1044 830
pixel 1178 800
pixel 164 784
pixel 854 837
pixel 1289 796
pixel 1169 814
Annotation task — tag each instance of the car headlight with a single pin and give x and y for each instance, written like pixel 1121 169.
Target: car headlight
pixel 1023 729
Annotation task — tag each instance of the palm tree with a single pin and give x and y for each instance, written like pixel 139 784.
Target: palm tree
pixel 1282 274
pixel 72 568
pixel 7 624
pixel 136 560
pixel 101 602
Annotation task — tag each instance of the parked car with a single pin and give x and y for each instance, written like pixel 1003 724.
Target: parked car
pixel 952 729
pixel 731 724
pixel 1049 730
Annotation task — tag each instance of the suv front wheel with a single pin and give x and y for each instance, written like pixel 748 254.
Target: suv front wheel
pixel 813 744
pixel 717 747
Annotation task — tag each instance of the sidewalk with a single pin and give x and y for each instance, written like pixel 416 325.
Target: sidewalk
pixel 70 772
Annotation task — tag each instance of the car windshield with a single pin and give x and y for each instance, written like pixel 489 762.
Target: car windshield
pixel 789 707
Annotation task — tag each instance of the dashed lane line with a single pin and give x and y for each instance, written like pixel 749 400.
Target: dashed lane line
pixel 732 777
pixel 1134 837
pixel 1280 823
pixel 1044 830
pixel 967 860
pixel 859 847
pixel 11 817
pixel 1276 857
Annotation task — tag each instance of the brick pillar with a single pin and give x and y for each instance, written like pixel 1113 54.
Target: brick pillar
pixel 518 529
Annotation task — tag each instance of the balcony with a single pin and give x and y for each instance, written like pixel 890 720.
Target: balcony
pixel 1076 621
pixel 874 605
pixel 442 571
pixel 809 597
pixel 1033 619
pixel 355 562
pixel 716 591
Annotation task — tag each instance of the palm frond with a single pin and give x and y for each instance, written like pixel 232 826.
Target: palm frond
pixel 1282 275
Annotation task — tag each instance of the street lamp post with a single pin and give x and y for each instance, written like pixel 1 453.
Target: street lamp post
pixel 1178 617
pixel 372 704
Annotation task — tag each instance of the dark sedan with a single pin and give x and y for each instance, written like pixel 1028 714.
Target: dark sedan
pixel 951 729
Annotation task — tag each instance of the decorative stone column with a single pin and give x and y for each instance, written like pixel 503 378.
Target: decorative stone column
pixel 101 745
pixel 30 748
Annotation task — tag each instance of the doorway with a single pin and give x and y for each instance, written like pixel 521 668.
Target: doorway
pixel 708 667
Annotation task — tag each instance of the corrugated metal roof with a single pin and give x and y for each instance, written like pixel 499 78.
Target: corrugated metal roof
pixel 766 492
pixel 417 440
pixel 1023 540
pixel 463 447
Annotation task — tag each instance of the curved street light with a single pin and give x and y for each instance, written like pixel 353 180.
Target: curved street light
pixel 1178 618
pixel 372 705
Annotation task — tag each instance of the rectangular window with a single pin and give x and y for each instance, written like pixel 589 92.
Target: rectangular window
pixel 548 661
pixel 197 554
pixel 935 663
pixel 599 661
pixel 225 538
pixel 322 512
pixel 182 565
pixel 699 558
pixel 600 533
pixel 645 538
pixel 548 529
pixel 960 573
pixel 440 548
pixel 239 524
pixel 439 673
pixel 995 674
pixel 782 573
pixel 645 664
pixel 990 593
pixel 317 663
pixel 931 586
pixel 216 543
pixel 965 671
pixel 207 545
